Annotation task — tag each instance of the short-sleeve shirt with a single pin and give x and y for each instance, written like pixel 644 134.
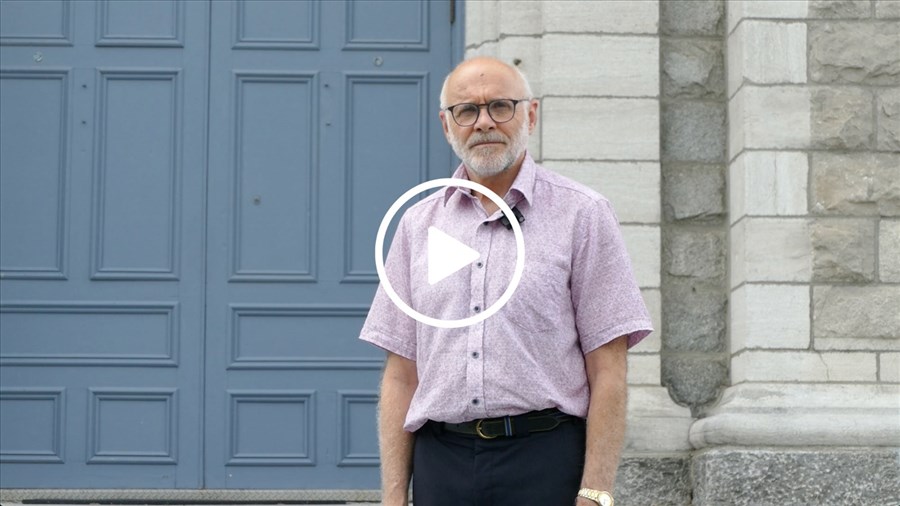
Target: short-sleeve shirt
pixel 577 293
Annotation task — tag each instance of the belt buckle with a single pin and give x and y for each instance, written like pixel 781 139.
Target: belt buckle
pixel 481 434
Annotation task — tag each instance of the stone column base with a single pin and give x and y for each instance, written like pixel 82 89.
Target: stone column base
pixel 785 476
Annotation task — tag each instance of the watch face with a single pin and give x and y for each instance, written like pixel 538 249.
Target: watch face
pixel 605 500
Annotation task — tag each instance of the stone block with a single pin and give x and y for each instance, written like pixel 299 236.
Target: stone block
pixel 481 22
pixel 695 316
pixel 654 422
pixel 692 68
pixel 889 367
pixel 861 184
pixel 601 17
pixel 888 119
pixel 887 9
pixel 855 53
pixel 694 253
pixel 770 249
pixel 694 380
pixel 771 117
pixel 739 10
pixel 843 250
pixel 770 317
pixel 518 18
pixel 600 129
pixel 631 187
pixel 643 245
pixel 840 9
pixel 849 313
pixel 889 251
pixel 661 481
pixel 693 132
pixel 643 369
pixel 768 183
pixel 692 18
pixel 600 65
pixel 842 118
pixel 693 191
pixel 808 366
pixel 765 52
pixel 653 342
pixel 525 53
pixel 795 477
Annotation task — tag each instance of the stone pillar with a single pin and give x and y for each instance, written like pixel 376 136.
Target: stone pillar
pixel 812 415
pixel 595 68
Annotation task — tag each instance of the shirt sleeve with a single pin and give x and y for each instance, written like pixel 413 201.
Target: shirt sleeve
pixel 605 294
pixel 386 325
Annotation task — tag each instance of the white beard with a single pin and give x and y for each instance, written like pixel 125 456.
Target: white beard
pixel 490 164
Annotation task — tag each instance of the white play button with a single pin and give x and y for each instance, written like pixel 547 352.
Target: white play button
pixel 446 255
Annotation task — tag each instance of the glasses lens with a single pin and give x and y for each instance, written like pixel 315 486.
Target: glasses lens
pixel 502 110
pixel 465 114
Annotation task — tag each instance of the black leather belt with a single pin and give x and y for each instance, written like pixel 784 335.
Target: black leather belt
pixel 509 426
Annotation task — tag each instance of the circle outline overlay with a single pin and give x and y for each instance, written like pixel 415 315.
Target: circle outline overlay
pixel 400 303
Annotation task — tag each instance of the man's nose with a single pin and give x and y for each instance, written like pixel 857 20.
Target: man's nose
pixel 484 120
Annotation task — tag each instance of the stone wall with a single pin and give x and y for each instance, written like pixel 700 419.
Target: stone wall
pixel 751 150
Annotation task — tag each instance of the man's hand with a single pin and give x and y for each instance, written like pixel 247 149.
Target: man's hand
pixel 397 388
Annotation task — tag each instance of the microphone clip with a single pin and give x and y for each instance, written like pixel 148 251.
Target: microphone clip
pixel 519 217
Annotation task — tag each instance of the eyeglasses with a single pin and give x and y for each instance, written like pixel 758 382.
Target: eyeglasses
pixel 500 110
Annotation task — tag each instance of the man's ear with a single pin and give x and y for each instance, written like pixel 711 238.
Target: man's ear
pixel 532 115
pixel 444 124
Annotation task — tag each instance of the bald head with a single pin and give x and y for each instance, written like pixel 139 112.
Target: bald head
pixel 482 72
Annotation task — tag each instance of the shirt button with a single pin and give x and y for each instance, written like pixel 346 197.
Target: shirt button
pixel 477 309
pixel 479 264
pixel 475 401
pixel 474 354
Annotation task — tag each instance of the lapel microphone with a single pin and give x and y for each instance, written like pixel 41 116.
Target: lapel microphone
pixel 519 217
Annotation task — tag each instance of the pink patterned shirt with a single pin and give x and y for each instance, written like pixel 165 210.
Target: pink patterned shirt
pixel 576 294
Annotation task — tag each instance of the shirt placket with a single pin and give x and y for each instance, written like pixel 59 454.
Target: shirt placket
pixel 475 355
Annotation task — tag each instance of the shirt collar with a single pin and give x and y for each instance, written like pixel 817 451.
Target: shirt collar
pixel 522 187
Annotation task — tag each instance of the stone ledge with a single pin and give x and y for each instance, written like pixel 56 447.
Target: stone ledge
pixel 802 414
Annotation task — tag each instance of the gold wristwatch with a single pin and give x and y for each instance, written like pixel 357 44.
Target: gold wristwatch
pixel 601 497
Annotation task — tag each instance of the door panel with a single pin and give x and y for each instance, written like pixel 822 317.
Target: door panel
pixel 103 185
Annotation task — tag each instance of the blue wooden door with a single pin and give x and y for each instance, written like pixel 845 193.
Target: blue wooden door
pixel 327 112
pixel 190 192
pixel 102 177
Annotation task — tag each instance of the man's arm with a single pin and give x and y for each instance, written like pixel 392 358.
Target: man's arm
pixel 606 367
pixel 397 388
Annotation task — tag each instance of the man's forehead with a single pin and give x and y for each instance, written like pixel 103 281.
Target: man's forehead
pixel 485 76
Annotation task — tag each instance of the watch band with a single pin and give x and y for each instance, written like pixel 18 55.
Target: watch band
pixel 601 497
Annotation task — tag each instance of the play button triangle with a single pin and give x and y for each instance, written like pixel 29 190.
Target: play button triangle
pixel 446 255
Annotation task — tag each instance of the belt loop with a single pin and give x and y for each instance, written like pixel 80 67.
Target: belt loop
pixel 508 426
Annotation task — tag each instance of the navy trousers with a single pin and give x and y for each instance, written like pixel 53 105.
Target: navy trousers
pixel 538 469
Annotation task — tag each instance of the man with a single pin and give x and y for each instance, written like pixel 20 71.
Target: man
pixel 494 413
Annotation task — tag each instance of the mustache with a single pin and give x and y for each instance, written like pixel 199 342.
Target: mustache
pixel 486 137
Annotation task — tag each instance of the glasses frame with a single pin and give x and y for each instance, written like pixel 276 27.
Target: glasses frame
pixel 487 107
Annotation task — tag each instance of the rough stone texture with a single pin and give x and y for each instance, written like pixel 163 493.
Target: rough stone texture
pixel 856 184
pixel 886 9
pixel 889 251
pixel 694 253
pixel 692 68
pixel 693 192
pixel 661 481
pixel 843 250
pixel 842 118
pixel 855 53
pixel 840 9
pixel 694 316
pixel 693 131
pixel 751 477
pixel 888 118
pixel 690 17
pixel 850 312
pixel 694 380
